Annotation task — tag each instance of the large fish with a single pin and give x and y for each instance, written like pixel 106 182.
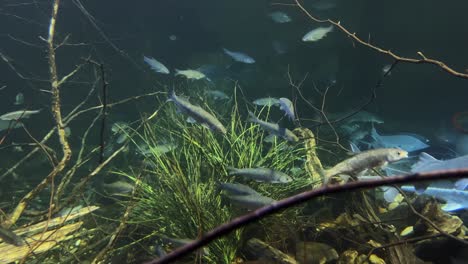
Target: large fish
pixel 20 114
pixel 366 160
pixel 287 106
pixel 250 201
pixel 191 74
pixel 428 163
pixel 455 199
pixel 197 113
pixel 261 174
pixel 408 142
pixel 274 129
pixel 237 189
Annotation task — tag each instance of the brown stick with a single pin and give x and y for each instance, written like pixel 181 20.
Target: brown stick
pixel 423 60
pixel 56 111
pixel 301 198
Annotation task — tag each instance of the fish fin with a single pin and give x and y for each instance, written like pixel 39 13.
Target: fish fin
pixel 252 117
pixel 270 138
pixel 424 160
pixel 420 188
pixel 226 51
pixel 374 134
pixel 172 96
pixel 231 170
pixel 390 193
pixel 176 72
pixel 191 120
pixel 354 148
pixel 450 206
pixel 461 184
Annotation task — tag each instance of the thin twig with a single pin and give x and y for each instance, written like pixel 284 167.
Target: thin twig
pixel 424 59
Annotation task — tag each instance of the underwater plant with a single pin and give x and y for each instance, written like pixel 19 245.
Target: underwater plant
pixel 179 196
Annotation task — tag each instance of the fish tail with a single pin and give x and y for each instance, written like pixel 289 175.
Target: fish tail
pixel 252 117
pixel 231 170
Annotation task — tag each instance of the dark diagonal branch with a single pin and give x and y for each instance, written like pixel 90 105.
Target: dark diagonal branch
pixel 299 199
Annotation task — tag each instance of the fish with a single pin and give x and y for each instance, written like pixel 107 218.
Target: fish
pixel 251 202
pixel 180 242
pixel 364 117
pixel 455 199
pixel 386 69
pixel 266 101
pixel 237 188
pixel 239 56
pixel 274 129
pixel 428 163
pixel 20 114
pixel 19 99
pixel 157 150
pixel 197 113
pixel 156 65
pixel 217 95
pixel 261 174
pixel 4 124
pixel 191 74
pixel 317 34
pixel 408 142
pixel 118 187
pixel 280 17
pixel 69 210
pixel 366 160
pixel 10 237
pixel 279 47
pixel 172 37
pixel 287 106
pixel 322 5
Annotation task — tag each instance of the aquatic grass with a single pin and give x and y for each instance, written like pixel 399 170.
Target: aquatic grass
pixel 178 196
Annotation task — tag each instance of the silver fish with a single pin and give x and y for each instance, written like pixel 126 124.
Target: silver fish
pixel 237 188
pixel 239 56
pixel 274 128
pixel 19 99
pixel 280 17
pixel 408 142
pixel 317 34
pixel 156 65
pixel 366 160
pixel 191 74
pixel 251 202
pixel 118 187
pixel 287 106
pixel 20 114
pixel 261 174
pixel 217 95
pixel 197 113
pixel 428 163
pixel 266 101
pixel 456 199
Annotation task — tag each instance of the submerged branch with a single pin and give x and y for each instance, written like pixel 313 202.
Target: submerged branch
pixel 299 199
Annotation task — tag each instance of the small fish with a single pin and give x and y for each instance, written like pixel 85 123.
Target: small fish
pixel 261 174
pixel 157 150
pixel 364 117
pixel 407 142
pixel 280 17
pixel 322 5
pixel 10 237
pixel 69 210
pixel 19 99
pixel 19 114
pixel 287 106
pixel 67 131
pixel 274 129
pixel 6 124
pixel 455 199
pixel 366 160
pixel 180 242
pixel 386 69
pixel 118 187
pixel 251 202
pixel 191 74
pixel 197 113
pixel 217 95
pixel 317 34
pixel 173 37
pixel 239 56
pixel 156 65
pixel 279 47
pixel 266 101
pixel 237 188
